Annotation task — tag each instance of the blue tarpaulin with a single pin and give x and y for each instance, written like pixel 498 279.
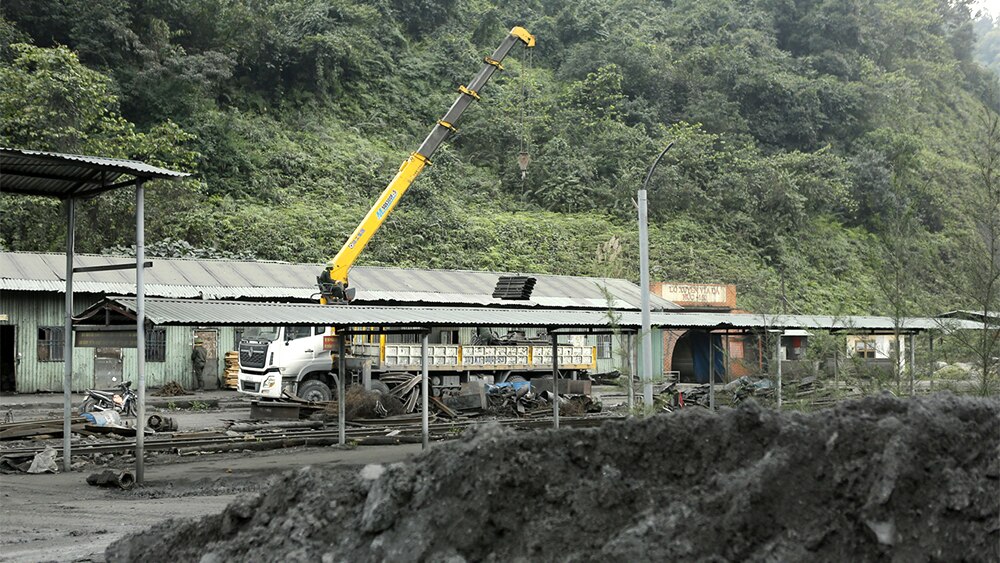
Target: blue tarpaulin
pixel 515 385
pixel 700 354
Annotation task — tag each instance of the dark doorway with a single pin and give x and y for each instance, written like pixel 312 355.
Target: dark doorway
pixel 8 360
pixel 682 360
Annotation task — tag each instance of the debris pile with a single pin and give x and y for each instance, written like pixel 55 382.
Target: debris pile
pixel 171 389
pixel 809 391
pixel 40 429
pixel 513 399
pixel 878 478
pixel 359 403
pixel 404 387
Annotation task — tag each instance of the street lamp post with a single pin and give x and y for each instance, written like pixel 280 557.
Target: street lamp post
pixel 647 336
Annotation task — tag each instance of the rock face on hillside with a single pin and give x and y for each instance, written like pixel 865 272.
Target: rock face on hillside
pixel 908 480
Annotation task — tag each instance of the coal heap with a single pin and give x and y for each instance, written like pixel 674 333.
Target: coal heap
pixel 876 478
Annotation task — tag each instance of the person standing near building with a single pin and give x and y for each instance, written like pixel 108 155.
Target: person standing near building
pixel 198 357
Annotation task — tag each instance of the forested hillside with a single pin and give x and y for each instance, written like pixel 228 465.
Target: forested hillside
pixel 839 149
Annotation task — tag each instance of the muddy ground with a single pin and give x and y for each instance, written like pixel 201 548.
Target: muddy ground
pixel 60 518
pixel 878 478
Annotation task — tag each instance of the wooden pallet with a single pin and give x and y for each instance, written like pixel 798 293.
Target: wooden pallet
pixel 231 375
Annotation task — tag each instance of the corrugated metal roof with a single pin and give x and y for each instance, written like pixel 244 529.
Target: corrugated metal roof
pixel 69 175
pixel 231 279
pixel 826 322
pixel 241 313
pixel 977 316
pixel 190 312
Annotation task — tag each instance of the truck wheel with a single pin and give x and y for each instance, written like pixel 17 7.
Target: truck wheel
pixel 315 391
pixel 380 387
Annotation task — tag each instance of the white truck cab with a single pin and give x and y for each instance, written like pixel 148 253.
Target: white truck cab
pixel 276 359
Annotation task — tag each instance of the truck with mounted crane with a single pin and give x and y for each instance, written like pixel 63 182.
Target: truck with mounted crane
pixel 298 360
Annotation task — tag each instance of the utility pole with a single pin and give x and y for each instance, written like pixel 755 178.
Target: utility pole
pixel 647 334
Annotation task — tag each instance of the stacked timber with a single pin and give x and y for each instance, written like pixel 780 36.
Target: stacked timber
pixel 232 370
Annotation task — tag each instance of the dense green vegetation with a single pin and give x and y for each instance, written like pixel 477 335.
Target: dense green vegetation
pixel 817 142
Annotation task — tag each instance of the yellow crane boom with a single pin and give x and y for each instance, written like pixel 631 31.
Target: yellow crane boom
pixel 333 285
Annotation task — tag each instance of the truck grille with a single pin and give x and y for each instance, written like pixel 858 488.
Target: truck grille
pixel 252 386
pixel 252 355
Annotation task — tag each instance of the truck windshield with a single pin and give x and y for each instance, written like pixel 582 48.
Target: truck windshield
pixel 268 333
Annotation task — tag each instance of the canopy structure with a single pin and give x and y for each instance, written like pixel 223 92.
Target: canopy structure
pixel 70 177
pixel 67 176
pixel 242 313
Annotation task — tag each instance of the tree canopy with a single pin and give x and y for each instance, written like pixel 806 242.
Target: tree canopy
pixel 806 132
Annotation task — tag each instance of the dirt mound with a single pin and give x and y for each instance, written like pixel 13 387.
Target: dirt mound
pixel 879 478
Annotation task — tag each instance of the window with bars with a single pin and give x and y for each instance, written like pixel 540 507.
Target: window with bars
pixel 50 343
pixel 865 349
pixel 604 346
pixel 156 345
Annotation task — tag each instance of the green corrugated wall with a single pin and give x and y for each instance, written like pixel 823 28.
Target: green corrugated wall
pixel 29 310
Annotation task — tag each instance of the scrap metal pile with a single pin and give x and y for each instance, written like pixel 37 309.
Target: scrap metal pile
pixel 508 399
pixel 875 479
pixel 761 389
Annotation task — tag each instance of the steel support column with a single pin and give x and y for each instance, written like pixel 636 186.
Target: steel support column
pixel 777 360
pixel 424 388
pixel 68 334
pixel 555 381
pixel 930 359
pixel 140 329
pixel 711 372
pixel 913 363
pixel 634 357
pixel 728 374
pixel 341 385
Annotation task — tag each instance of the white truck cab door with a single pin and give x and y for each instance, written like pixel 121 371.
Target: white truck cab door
pixel 300 343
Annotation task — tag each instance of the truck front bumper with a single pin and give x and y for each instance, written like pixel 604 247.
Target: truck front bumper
pixel 264 385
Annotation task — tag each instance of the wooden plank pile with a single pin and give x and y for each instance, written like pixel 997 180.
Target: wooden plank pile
pixel 40 429
pixel 231 379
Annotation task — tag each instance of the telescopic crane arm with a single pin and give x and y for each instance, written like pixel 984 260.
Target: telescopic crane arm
pixel 333 281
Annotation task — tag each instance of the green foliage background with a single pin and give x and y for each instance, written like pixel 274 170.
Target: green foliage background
pixel 805 132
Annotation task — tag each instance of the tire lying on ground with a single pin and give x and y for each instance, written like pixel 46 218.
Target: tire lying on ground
pixel 875 479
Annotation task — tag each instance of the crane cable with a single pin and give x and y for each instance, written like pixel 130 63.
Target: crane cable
pixel 523 156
